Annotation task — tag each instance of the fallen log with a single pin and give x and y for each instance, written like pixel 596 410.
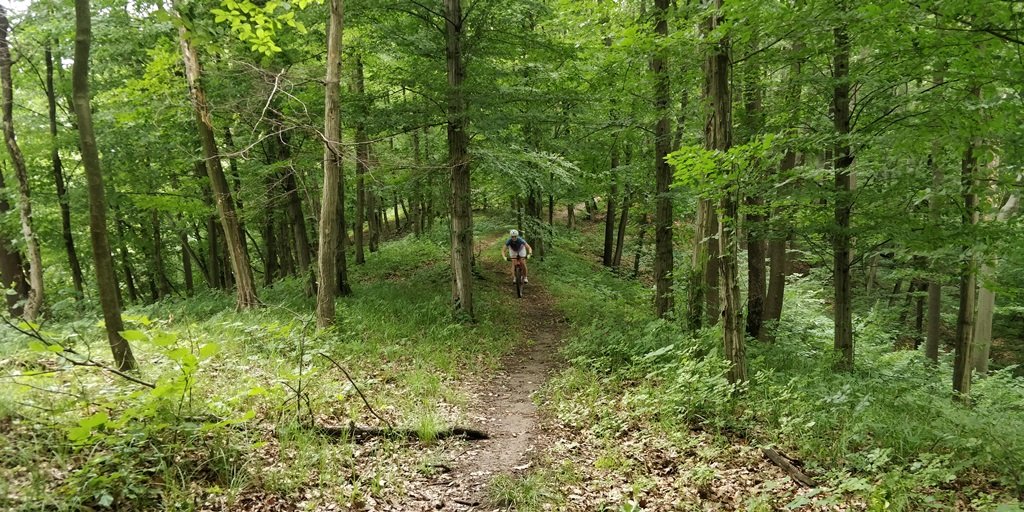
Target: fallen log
pixel 363 434
pixel 794 472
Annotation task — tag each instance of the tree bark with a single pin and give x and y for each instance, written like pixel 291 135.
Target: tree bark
pixel 753 119
pixel 329 227
pixel 719 129
pixel 163 284
pixel 609 218
pixel 458 161
pixel 663 263
pixel 931 344
pixel 841 239
pixel 34 302
pixel 987 296
pixel 620 238
pixel 103 262
pixel 58 179
pixel 640 245
pixel 12 264
pixel 244 285
pixel 963 357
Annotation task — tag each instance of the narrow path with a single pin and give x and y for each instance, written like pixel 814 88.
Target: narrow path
pixel 503 405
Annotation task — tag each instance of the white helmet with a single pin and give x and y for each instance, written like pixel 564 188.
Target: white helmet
pixel 513 233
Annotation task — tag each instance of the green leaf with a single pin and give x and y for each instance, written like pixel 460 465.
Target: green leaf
pixel 134 335
pixel 94 421
pixel 208 350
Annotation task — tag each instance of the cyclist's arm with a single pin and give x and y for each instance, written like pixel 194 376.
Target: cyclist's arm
pixel 528 248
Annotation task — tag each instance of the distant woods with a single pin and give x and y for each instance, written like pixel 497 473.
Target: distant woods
pixel 870 145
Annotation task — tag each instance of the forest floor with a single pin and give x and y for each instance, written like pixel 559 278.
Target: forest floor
pixel 502 403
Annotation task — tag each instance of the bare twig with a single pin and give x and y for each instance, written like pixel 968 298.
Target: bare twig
pixel 349 377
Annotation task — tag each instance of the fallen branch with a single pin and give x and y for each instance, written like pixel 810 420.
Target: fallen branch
pixel 787 466
pixel 363 434
pixel 349 377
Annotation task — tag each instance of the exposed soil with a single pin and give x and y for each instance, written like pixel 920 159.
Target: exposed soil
pixel 503 405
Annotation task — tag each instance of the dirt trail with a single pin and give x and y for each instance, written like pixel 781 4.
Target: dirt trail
pixel 503 406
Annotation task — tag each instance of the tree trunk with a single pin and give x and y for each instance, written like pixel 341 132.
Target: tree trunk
pixel 570 216
pixel 931 344
pixel 244 286
pixel 753 120
pixel 458 161
pixel 663 265
pixel 362 156
pixel 963 350
pixel 11 264
pixel 104 263
pixel 34 303
pixel 270 262
pixel 58 179
pixel 620 238
pixel 719 131
pixel 186 266
pixel 236 178
pixel 163 285
pixel 987 296
pixel 640 245
pixel 329 227
pixel 300 236
pixel 609 218
pixel 841 240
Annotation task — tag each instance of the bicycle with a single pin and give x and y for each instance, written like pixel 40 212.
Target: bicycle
pixel 518 262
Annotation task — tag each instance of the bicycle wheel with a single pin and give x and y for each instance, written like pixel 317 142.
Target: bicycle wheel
pixel 519 281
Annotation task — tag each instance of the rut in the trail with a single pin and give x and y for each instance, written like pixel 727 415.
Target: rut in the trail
pixel 504 406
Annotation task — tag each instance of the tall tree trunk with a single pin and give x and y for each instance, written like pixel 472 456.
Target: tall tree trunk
pixel 58 179
pixel 987 296
pixel 458 162
pixel 753 120
pixel 841 240
pixel 35 261
pixel 270 262
pixel 103 262
pixel 362 155
pixel 163 284
pixel 963 349
pixel 12 265
pixel 329 227
pixel 244 285
pixel 297 221
pixel 570 216
pixel 663 265
pixel 719 127
pixel 609 218
pixel 126 260
pixel 931 344
pixel 186 266
pixel 236 179
pixel 640 245
pixel 620 238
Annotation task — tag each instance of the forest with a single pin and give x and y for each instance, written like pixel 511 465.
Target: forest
pixel 252 257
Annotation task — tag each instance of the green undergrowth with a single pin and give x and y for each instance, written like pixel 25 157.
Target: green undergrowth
pixel 888 435
pixel 226 424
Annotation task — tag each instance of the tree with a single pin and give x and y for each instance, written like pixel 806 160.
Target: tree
pixel 244 284
pixel 102 259
pixel 843 202
pixel 34 301
pixel 718 138
pixel 330 225
pixel 458 162
pixel 663 291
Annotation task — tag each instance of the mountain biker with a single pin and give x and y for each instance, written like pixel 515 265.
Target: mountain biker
pixel 517 248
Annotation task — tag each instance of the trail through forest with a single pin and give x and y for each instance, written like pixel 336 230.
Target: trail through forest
pixel 502 403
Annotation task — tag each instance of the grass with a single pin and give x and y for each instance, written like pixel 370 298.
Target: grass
pixel 887 435
pixel 223 424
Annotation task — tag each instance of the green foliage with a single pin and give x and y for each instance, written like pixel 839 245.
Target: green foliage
pixel 888 434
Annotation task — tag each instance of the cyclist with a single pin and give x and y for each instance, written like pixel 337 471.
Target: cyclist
pixel 517 249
